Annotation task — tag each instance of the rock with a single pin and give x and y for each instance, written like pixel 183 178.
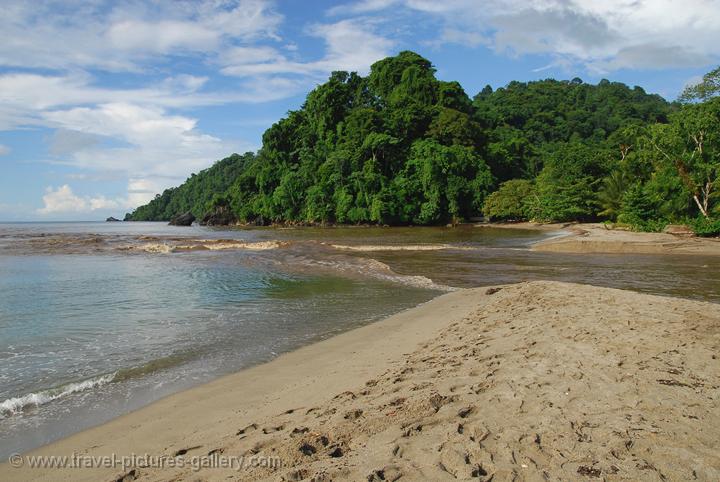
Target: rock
pixel 220 216
pixel 678 230
pixel 185 219
pixel 112 220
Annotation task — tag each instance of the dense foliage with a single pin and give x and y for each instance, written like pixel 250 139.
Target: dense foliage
pixel 401 147
pixel 511 202
pixel 198 194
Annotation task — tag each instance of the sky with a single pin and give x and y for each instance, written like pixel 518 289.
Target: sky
pixel 103 104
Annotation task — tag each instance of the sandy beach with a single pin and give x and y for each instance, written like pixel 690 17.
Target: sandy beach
pixel 597 238
pixel 519 382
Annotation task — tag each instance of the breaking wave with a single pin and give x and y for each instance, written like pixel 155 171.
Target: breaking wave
pixel 203 245
pixel 371 268
pixel 16 405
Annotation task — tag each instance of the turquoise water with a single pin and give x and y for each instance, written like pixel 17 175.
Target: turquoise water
pixel 97 319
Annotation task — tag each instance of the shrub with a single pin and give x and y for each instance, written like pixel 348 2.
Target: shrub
pixel 510 202
pixel 705 227
pixel 560 200
pixel 639 211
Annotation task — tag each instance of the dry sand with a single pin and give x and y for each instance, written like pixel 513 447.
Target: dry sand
pixel 597 238
pixel 533 381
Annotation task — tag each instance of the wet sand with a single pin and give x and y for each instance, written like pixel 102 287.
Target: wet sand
pixel 532 381
pixel 598 238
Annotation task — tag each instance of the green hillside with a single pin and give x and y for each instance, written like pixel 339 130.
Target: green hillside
pixel 401 147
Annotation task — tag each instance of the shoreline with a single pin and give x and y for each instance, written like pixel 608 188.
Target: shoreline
pixel 599 239
pixel 281 369
pixel 412 394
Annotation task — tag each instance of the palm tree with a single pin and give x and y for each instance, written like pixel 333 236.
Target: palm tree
pixel 611 193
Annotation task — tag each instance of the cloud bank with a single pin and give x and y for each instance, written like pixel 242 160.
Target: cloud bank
pixel 600 36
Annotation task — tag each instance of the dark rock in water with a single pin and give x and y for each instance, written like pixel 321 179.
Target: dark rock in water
pixel 112 220
pixel 220 216
pixel 185 219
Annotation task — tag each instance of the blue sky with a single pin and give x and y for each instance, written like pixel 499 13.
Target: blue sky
pixel 105 103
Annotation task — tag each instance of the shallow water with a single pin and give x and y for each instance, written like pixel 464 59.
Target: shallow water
pixel 97 319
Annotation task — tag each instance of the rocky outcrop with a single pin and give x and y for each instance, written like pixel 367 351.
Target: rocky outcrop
pixel 112 220
pixel 185 219
pixel 219 216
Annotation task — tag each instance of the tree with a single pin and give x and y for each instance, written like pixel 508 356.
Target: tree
pixel 639 209
pixel 611 193
pixel 691 143
pixel 400 146
pixel 511 202
pixel 566 187
pixel 706 89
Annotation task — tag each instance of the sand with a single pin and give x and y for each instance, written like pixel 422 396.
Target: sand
pixel 597 238
pixel 533 381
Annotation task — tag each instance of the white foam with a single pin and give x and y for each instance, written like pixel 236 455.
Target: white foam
pixel 384 271
pixel 377 269
pixel 204 245
pixel 16 405
pixel 154 248
pixel 256 246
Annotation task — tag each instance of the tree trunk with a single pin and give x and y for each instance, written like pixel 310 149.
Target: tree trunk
pixel 700 205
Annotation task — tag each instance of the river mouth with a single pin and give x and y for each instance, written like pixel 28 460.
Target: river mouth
pixel 97 320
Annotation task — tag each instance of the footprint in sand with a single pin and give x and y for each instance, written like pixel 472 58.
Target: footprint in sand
pixel 247 429
pixel 268 430
pixel 184 451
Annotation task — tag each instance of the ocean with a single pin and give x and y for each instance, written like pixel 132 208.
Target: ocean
pixel 99 319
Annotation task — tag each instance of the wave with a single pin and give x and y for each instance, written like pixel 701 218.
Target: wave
pixel 203 245
pixel 380 270
pixel 156 365
pixel 371 268
pixel 15 405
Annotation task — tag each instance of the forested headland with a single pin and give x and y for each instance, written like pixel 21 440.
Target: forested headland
pixel 401 147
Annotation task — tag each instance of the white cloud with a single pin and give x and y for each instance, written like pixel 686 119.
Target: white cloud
pixel 64 200
pixel 147 144
pixel 350 45
pixel 110 35
pixel 25 96
pixel 140 191
pixel 67 141
pixel 363 6
pixel 4 150
pixel 54 54
pixel 98 131
pixel 602 36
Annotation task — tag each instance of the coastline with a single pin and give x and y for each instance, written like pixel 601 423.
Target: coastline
pixel 597 238
pixel 518 381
